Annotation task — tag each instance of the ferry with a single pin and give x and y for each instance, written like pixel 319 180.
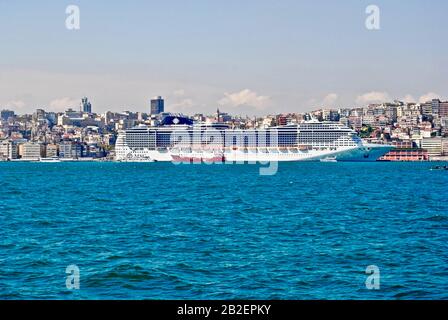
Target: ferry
pixel 50 160
pixel 182 140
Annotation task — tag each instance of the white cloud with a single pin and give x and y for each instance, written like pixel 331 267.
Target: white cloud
pixel 330 99
pixel 372 97
pixel 184 105
pixel 62 104
pixel 15 104
pixel 179 93
pixel 408 98
pixel 245 97
pixel 428 97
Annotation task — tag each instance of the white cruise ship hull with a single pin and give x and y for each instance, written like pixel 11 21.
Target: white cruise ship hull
pixel 363 153
pixel 309 141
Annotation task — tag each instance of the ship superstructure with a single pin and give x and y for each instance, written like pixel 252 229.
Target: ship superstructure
pixel 307 141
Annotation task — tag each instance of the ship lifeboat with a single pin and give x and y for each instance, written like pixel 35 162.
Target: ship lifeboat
pixel 305 147
pixel 198 157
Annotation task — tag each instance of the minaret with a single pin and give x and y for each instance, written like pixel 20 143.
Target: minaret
pixel 217 115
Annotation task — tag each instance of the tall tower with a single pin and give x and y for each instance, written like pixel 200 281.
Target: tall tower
pixel 157 105
pixel 86 106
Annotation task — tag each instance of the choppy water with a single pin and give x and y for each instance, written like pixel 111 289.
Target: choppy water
pixel 159 231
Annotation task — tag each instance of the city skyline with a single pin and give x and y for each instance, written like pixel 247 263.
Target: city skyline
pixel 418 132
pixel 294 57
pixel 84 105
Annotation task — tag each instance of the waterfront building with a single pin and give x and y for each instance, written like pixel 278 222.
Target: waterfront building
pixel 445 146
pixel 51 151
pixel 8 150
pixel 31 151
pixel 433 146
pixel 157 105
pixel 93 151
pixel 406 155
pixel 69 149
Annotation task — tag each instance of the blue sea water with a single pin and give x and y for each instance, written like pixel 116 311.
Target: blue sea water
pixel 161 231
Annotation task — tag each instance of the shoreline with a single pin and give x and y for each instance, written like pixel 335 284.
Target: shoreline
pixel 116 161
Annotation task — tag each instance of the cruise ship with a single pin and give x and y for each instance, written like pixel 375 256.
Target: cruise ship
pixel 181 140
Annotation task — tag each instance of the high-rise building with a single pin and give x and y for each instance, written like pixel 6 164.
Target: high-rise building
pixel 86 105
pixel 5 114
pixel 391 112
pixel 334 115
pixel 157 105
pixel 427 108
pixel 435 104
pixel 443 109
pixel 431 107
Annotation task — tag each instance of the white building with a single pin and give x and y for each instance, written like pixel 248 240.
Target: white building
pixel 51 151
pixel 433 146
pixel 6 150
pixel 31 151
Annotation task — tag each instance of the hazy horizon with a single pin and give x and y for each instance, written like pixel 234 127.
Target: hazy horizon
pixel 254 58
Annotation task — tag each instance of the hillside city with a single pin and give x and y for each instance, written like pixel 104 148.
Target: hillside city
pixel 419 131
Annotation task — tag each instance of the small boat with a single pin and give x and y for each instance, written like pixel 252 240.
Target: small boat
pixel 329 159
pixel 439 168
pixel 50 160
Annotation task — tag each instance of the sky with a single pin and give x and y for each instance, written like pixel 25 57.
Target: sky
pixel 247 57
